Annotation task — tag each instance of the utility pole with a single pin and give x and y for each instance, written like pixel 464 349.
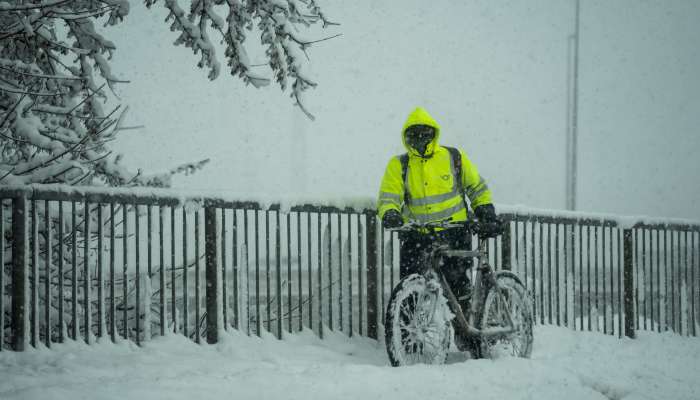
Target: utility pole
pixel 572 116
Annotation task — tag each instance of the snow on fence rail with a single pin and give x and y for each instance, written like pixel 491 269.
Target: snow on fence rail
pixel 122 263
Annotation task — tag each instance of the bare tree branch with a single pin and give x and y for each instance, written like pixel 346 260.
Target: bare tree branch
pixel 26 7
pixel 42 76
pixel 14 107
pixel 27 92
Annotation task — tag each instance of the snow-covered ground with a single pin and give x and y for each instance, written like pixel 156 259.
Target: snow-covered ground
pixel 564 365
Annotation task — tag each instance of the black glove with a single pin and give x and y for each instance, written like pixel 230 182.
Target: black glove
pixel 392 219
pixel 489 223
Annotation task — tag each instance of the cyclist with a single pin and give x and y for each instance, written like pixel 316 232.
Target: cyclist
pixel 429 184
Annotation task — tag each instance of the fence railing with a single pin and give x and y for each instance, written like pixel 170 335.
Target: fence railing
pixel 87 263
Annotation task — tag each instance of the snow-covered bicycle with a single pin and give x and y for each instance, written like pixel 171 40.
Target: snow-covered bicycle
pixel 423 312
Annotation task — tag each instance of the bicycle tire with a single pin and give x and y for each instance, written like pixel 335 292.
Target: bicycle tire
pixel 413 333
pixel 515 296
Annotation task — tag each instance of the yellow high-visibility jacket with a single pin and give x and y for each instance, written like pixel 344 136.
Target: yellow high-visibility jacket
pixel 432 193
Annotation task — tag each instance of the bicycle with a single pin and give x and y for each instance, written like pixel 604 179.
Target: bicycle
pixel 423 312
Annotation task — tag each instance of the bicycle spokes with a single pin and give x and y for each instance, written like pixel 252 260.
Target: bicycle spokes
pixel 507 306
pixel 420 336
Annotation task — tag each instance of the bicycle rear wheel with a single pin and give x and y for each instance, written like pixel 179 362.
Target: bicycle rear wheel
pixel 417 325
pixel 509 299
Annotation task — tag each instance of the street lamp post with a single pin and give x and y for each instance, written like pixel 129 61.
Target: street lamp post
pixel 572 116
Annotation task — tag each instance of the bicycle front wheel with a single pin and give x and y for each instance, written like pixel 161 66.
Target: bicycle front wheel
pixel 504 303
pixel 417 325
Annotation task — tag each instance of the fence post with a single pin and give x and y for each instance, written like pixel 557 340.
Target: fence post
pixel 630 312
pixel 20 316
pixel 371 223
pixel 505 246
pixel 212 278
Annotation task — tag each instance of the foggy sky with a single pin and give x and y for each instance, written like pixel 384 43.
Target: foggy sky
pixel 493 73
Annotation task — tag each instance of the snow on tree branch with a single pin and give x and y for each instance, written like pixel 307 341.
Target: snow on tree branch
pixel 278 22
pixel 56 120
pixel 54 73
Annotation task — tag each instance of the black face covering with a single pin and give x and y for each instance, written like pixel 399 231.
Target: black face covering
pixel 418 137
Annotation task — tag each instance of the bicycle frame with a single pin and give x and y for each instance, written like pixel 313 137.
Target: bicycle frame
pixel 482 280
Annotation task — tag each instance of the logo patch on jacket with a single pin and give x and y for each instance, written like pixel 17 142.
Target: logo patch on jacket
pixel 445 177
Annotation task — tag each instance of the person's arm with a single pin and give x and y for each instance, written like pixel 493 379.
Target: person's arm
pixel 391 190
pixel 474 184
pixel 480 198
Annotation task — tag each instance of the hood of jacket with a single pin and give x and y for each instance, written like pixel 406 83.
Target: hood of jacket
pixel 420 116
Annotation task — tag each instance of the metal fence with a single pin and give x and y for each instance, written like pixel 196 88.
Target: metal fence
pixel 84 264
pixel 596 274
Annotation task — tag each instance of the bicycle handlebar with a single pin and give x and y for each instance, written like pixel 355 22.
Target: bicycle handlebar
pixel 416 226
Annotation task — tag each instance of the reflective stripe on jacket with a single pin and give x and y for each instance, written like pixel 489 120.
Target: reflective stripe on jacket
pixel 433 195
